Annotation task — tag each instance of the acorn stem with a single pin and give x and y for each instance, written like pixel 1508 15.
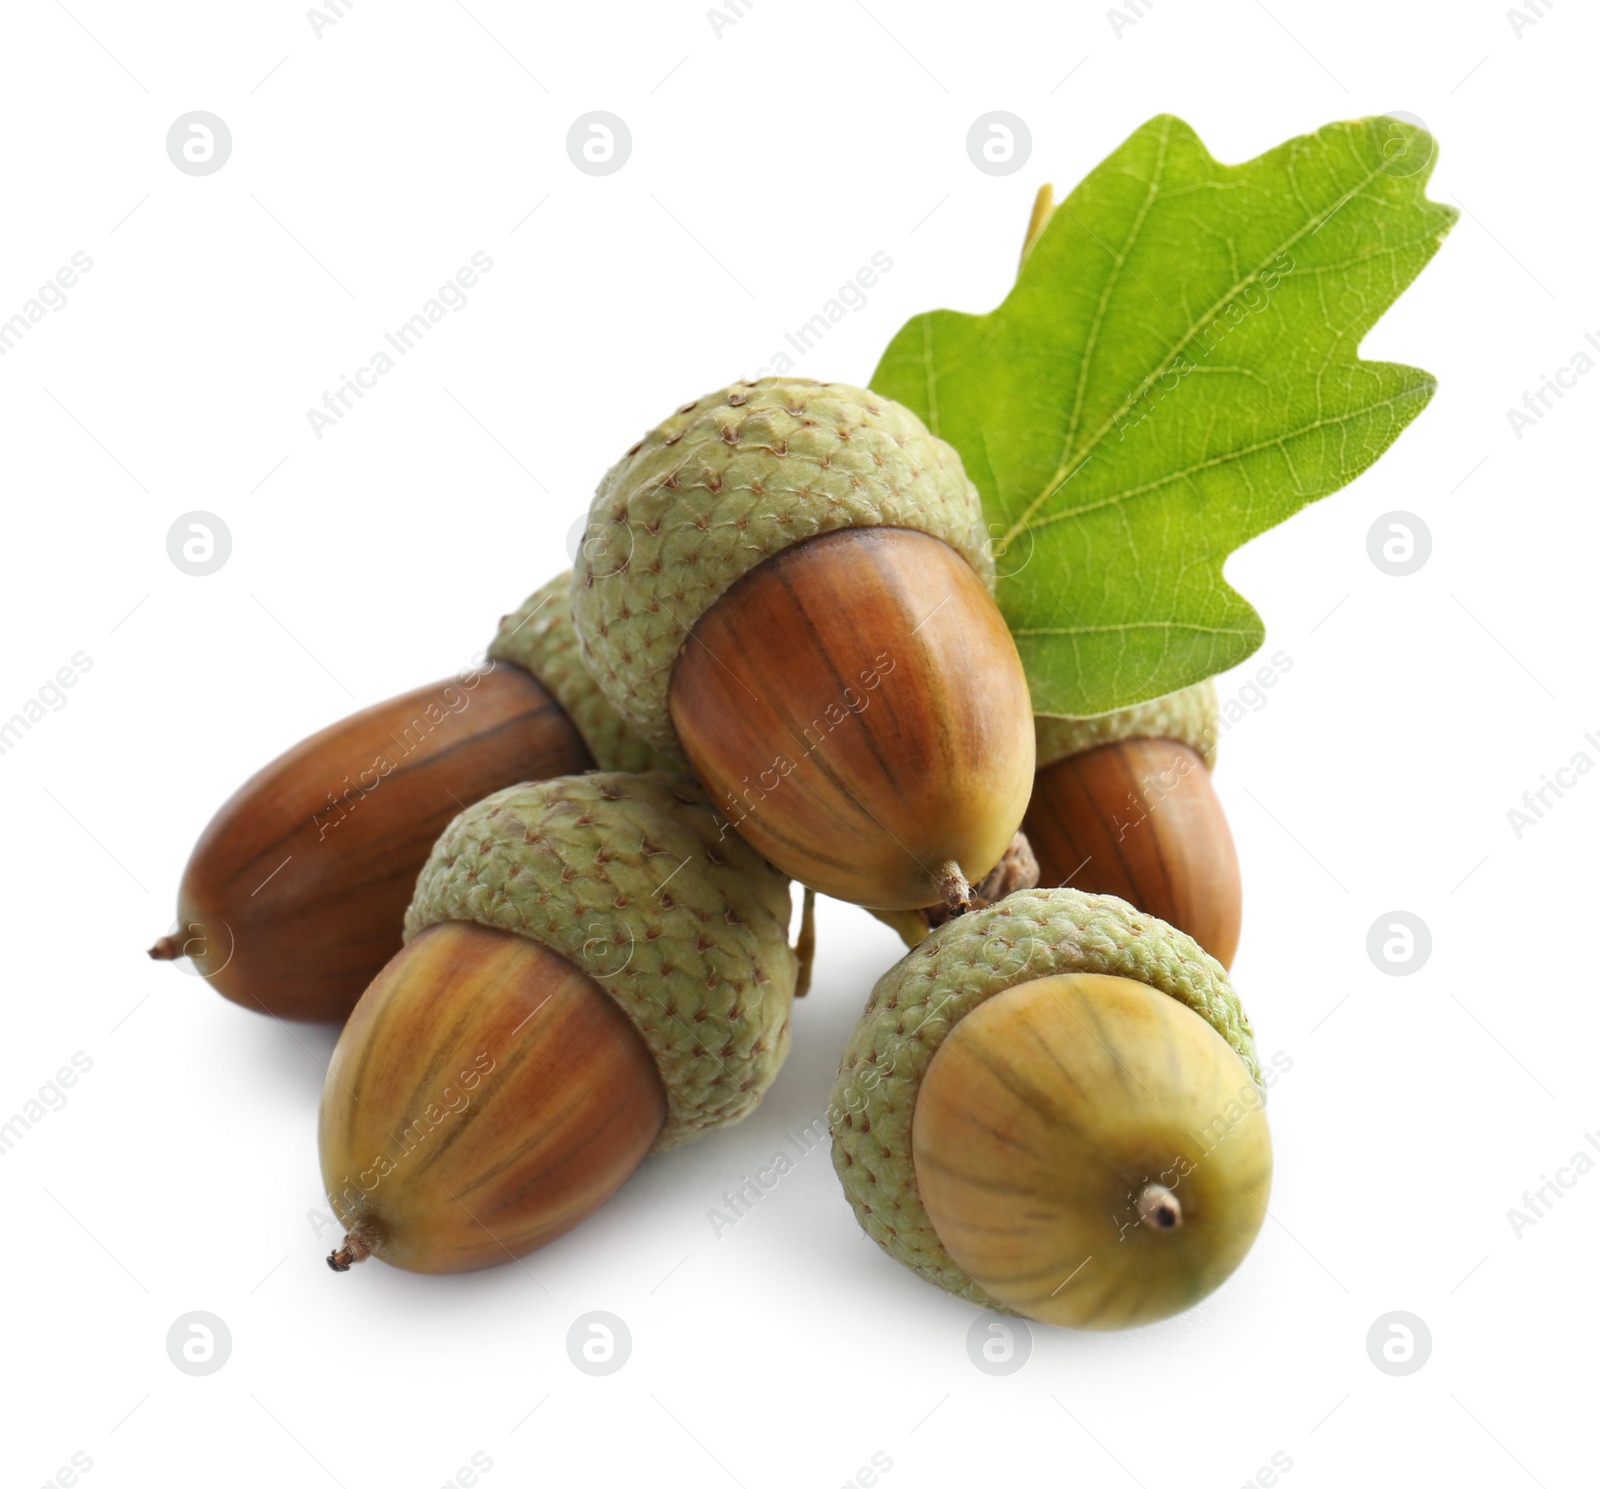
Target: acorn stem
pixel 1019 869
pixel 167 949
pixel 1043 205
pixel 955 894
pixel 1159 1208
pixel 805 945
pixel 355 1249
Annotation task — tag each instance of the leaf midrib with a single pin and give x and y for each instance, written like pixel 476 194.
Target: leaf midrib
pixel 1070 463
pixel 1119 627
pixel 1238 454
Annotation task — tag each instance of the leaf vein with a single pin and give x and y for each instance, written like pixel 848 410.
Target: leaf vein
pixel 1226 456
pixel 1312 225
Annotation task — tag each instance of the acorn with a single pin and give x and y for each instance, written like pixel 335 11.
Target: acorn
pixel 594 969
pixel 791 580
pixel 293 898
pixel 1052 1107
pixel 1123 804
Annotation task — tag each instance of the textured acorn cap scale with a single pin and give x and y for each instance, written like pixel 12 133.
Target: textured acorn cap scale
pixel 1030 935
pixel 633 879
pixel 1188 716
pixel 538 636
pixel 724 484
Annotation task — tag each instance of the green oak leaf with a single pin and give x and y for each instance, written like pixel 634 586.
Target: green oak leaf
pixel 1174 372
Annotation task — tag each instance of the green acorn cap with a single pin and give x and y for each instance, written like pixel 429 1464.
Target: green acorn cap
pixel 1188 716
pixel 1030 934
pixel 725 483
pixel 631 879
pixel 538 637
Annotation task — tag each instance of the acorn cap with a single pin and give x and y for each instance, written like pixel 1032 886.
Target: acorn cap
pixel 724 484
pixel 1188 716
pixel 538 637
pixel 630 878
pixel 1030 934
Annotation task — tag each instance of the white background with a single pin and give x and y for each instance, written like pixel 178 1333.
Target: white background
pixel 768 164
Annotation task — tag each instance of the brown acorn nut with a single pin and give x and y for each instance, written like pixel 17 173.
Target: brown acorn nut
pixel 1123 804
pixel 874 791
pixel 791 579
pixel 1052 1107
pixel 580 1106
pixel 293 898
pixel 594 968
